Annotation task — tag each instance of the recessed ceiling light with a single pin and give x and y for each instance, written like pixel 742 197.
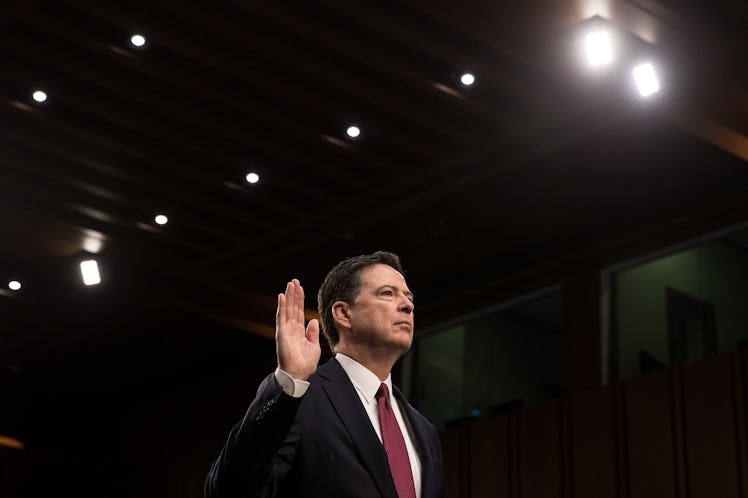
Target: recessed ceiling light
pixel 137 40
pixel 467 79
pixel 646 80
pixel 598 48
pixel 14 285
pixel 253 178
pixel 161 219
pixel 353 131
pixel 93 241
pixel 39 96
pixel 90 272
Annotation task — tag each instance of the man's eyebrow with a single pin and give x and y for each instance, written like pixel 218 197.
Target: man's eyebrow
pixel 407 293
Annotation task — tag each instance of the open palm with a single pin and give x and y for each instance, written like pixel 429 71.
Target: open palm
pixel 297 346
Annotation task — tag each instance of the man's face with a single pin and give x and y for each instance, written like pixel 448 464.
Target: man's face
pixel 382 313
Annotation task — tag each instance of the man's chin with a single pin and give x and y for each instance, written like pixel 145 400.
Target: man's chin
pixel 405 344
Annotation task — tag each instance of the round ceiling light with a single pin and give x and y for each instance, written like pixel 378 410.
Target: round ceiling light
pixel 467 79
pixel 353 131
pixel 137 40
pixel 39 96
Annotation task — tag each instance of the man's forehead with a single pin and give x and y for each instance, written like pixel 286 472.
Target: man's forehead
pixel 381 274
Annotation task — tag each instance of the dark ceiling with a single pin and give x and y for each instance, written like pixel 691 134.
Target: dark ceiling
pixel 542 160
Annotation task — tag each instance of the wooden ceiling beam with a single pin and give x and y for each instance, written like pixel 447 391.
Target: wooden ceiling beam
pixel 59 147
pixel 215 61
pixel 82 211
pixel 267 143
pixel 69 192
pixel 190 84
pixel 333 76
pixel 12 443
pixel 676 34
pixel 416 190
pixel 178 112
pixel 513 84
pixel 382 63
pixel 710 130
pixel 13 10
pixel 56 144
pixel 191 292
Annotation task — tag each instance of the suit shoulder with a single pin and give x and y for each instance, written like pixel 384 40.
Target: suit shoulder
pixel 421 418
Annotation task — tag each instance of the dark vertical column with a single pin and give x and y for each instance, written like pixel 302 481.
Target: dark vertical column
pixel 490 472
pixel 741 413
pixel 580 350
pixel 711 436
pixel 540 451
pixel 457 460
pixel 593 444
pixel 652 469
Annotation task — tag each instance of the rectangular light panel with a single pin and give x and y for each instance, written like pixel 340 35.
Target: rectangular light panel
pixel 646 80
pixel 90 272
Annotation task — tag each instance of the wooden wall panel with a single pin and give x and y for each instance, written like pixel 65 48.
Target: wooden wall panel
pixel 593 444
pixel 491 465
pixel 674 433
pixel 455 459
pixel 651 430
pixel 539 441
pixel 710 428
pixel 741 375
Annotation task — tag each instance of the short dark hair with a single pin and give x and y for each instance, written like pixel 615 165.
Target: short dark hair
pixel 343 283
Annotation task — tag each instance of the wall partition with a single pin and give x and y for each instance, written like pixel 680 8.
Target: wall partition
pixel 493 361
pixel 680 307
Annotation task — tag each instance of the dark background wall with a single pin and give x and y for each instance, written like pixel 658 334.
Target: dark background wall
pixel 672 433
pixel 131 430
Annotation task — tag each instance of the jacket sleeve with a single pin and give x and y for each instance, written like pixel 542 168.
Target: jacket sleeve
pixel 260 448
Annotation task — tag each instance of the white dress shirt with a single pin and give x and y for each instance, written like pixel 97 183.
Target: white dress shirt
pixel 367 385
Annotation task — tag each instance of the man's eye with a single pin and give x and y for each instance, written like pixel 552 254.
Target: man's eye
pixel 387 292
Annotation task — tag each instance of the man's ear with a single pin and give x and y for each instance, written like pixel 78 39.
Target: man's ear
pixel 341 313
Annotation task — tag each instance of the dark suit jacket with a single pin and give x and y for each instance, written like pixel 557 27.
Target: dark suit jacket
pixel 319 445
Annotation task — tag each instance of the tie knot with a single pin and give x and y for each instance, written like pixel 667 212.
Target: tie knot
pixel 383 392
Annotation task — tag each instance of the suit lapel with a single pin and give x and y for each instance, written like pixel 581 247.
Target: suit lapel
pixel 346 403
pixel 423 445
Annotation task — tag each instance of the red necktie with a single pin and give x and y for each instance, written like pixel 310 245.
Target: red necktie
pixel 394 445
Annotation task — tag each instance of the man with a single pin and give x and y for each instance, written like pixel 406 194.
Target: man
pixel 339 430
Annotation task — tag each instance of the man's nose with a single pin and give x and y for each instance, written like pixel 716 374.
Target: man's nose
pixel 406 305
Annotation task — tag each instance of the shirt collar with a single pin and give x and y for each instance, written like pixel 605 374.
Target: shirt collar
pixel 363 379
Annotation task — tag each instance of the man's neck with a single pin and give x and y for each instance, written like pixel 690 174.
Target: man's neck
pixel 381 366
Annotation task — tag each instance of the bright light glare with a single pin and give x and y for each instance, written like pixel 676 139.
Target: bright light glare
pixel 137 40
pixel 93 243
pixel 353 131
pixel 467 79
pixel 592 8
pixel 39 96
pixel 90 272
pixel 646 80
pixel 14 285
pixel 253 178
pixel 161 219
pixel 598 48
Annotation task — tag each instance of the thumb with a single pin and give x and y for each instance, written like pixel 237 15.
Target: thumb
pixel 312 331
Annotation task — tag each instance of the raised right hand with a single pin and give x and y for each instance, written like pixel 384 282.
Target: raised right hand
pixel 297 347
